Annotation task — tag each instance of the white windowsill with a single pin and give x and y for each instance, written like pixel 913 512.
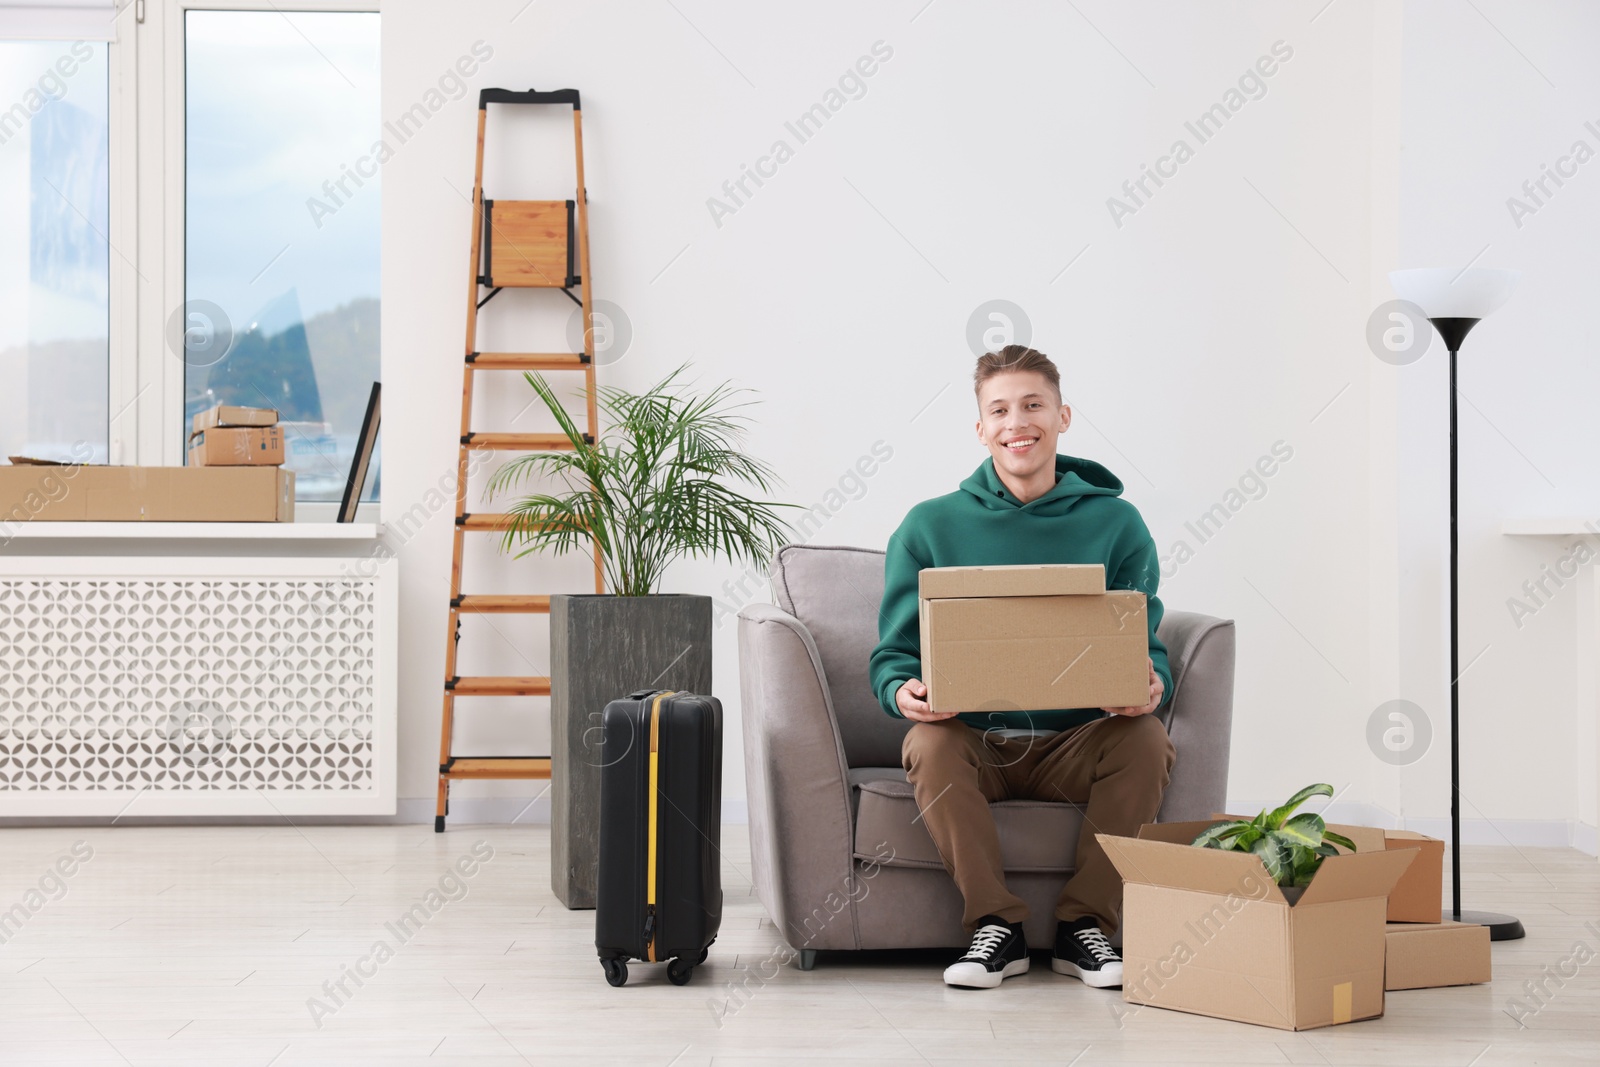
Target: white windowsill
pixel 198 531
pixel 1548 526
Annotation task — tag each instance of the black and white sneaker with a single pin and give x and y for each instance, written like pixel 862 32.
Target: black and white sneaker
pixel 1083 952
pixel 998 951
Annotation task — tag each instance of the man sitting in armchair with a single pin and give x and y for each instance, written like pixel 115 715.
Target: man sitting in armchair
pixel 1025 504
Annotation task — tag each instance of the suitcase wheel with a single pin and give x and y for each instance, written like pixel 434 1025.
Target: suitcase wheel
pixel 617 971
pixel 679 971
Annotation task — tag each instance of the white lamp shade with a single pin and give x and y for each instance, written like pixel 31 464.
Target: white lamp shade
pixel 1452 293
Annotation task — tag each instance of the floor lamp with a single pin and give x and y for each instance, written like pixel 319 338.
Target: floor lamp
pixel 1454 301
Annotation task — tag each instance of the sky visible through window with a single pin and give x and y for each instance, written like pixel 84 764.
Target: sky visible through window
pixel 54 255
pixel 281 235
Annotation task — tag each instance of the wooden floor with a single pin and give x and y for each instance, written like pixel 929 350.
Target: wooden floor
pixel 212 946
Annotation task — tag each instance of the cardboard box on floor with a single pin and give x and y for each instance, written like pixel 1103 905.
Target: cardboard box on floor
pixel 1031 638
pixel 147 494
pixel 1209 932
pixel 1424 955
pixel 237 446
pixel 232 415
pixel 1419 895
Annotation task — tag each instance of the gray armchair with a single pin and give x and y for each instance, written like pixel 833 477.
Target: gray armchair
pixel 840 858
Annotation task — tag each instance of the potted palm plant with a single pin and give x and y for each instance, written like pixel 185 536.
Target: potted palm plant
pixel 658 484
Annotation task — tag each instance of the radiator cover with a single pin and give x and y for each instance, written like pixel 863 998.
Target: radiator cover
pixel 224 686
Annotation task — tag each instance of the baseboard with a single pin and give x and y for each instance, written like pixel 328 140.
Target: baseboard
pixel 1525 833
pixel 1351 812
pixel 1522 833
pixel 507 809
pixel 464 811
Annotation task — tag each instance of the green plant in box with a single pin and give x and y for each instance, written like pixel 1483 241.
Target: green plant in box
pixel 1291 846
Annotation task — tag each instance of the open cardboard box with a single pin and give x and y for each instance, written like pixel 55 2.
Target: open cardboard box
pixel 1209 932
pixel 1031 638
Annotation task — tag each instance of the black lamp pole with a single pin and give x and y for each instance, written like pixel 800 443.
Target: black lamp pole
pixel 1501 927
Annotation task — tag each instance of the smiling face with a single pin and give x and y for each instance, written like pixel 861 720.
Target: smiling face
pixel 1020 416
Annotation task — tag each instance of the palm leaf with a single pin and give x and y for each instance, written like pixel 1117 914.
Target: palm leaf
pixel 651 489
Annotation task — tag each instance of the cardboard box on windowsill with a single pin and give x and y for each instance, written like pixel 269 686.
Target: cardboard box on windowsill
pixel 237 446
pixel 73 493
pixel 1208 931
pixel 232 415
pixel 1031 638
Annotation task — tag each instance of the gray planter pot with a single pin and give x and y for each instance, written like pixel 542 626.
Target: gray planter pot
pixel 603 647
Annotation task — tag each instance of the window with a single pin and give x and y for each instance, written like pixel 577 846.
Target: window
pixel 281 235
pixel 189 214
pixel 54 250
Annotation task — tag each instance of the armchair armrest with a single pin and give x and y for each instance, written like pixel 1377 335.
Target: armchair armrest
pixel 796 782
pixel 1199 718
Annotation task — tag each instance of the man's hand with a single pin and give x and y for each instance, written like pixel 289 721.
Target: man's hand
pixel 1156 690
pixel 912 700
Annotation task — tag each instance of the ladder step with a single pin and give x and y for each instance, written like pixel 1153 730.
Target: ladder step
pixel 484 521
pixel 528 360
pixel 499 686
pixel 491 520
pixel 519 442
pixel 497 767
pixel 495 604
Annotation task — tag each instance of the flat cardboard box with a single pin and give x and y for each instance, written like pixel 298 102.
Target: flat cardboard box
pixel 1419 895
pixel 1031 638
pixel 145 494
pixel 1424 955
pixel 1209 932
pixel 237 446
pixel 232 415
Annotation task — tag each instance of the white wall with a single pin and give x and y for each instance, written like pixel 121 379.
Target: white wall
pixel 1487 99
pixel 1226 314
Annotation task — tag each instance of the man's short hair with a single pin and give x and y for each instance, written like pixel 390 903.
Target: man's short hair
pixel 1015 358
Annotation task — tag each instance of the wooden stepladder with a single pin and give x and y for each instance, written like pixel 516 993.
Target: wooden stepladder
pixel 525 244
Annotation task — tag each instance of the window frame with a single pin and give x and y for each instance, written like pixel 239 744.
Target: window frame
pixel 147 221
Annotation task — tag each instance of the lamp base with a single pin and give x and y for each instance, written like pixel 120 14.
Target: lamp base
pixel 1501 927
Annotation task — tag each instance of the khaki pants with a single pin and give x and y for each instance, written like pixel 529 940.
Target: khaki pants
pixel 1118 767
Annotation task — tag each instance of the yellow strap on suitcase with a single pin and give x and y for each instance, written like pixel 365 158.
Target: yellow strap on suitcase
pixel 655 783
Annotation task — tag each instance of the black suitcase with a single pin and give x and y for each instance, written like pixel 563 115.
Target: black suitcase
pixel 658 894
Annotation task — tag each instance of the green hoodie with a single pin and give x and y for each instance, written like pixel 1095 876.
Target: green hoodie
pixel 1082 520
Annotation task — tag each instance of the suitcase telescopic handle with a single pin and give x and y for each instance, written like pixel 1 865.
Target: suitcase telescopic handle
pixel 532 96
pixel 640 694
